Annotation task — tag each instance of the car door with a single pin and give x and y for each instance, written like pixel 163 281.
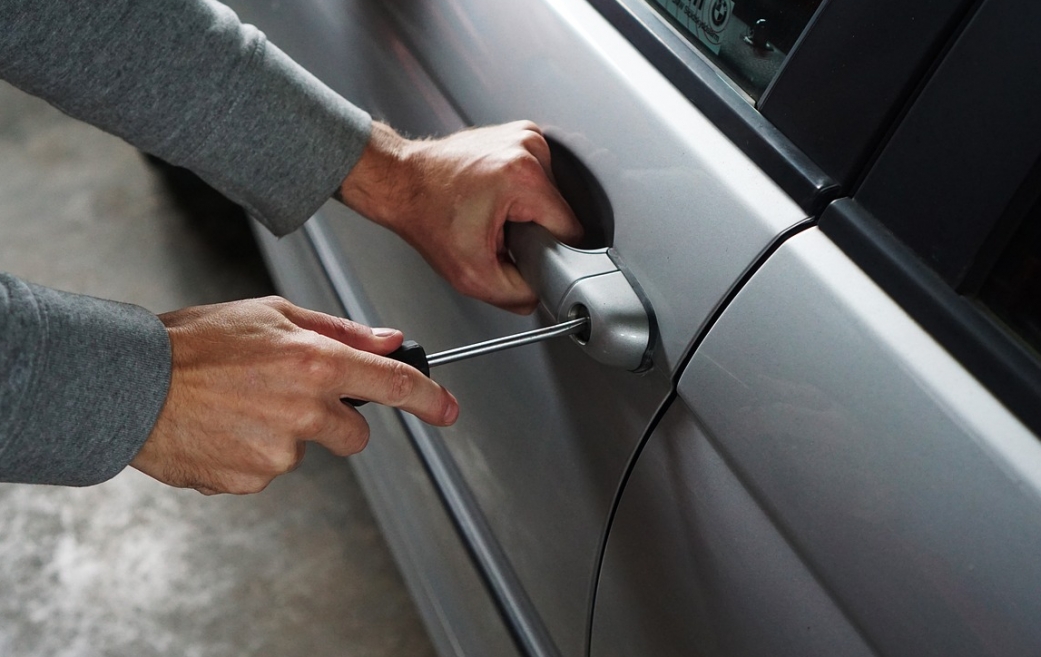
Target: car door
pixel 852 465
pixel 692 153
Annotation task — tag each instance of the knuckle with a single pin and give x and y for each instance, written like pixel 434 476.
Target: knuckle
pixel 533 140
pixel 351 327
pixel 310 420
pixel 519 159
pixel 400 383
pixel 312 364
pixel 529 126
pixel 470 282
pixel 351 439
pixel 283 460
pixel 524 167
pixel 250 485
pixel 239 484
pixel 276 302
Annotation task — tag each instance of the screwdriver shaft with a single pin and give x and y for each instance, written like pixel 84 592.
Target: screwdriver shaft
pixel 569 327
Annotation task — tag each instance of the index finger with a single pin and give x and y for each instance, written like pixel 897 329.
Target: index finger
pixel 343 330
pixel 390 382
pixel 545 206
pixel 535 143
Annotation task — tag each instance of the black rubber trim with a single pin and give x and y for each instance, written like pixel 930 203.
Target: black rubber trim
pixel 851 74
pixel 1004 366
pixel 522 620
pixel 700 82
pixel 659 414
pixel 966 143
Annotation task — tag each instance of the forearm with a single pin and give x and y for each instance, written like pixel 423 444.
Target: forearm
pixel 186 81
pixel 81 383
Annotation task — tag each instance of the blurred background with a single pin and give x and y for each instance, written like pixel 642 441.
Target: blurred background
pixel 132 567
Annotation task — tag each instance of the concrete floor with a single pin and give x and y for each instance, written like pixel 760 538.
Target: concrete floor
pixel 131 567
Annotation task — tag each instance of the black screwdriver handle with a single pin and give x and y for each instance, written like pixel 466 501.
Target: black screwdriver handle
pixel 411 353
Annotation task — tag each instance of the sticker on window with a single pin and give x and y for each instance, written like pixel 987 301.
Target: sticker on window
pixel 705 19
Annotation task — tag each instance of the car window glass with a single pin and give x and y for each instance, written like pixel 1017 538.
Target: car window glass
pixel 747 39
pixel 1012 290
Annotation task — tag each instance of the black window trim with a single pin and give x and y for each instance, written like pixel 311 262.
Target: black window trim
pixel 951 169
pixel 984 346
pixel 782 136
pixel 947 182
pixel 726 107
pixel 852 73
pixel 1000 362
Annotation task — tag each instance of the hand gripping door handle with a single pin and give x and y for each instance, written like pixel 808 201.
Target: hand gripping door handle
pixel 574 283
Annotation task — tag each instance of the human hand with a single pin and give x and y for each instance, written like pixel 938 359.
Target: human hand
pixel 450 199
pixel 253 381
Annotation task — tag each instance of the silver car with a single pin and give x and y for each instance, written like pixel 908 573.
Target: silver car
pixel 805 418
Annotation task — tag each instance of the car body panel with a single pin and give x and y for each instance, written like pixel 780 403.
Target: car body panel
pixel 537 446
pixel 546 433
pixel 829 480
pixel 660 161
pixel 722 580
pixel 907 490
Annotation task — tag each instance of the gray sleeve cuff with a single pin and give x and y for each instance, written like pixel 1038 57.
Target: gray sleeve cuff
pixel 187 81
pixel 285 145
pixel 82 382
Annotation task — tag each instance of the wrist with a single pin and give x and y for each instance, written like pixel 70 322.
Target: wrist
pixel 382 185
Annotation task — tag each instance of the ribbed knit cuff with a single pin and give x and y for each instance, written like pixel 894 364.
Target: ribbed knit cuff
pixel 286 145
pixel 82 382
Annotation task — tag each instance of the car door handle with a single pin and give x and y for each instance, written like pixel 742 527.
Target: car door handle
pixel 574 283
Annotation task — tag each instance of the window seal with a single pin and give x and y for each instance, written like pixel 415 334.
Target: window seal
pixel 947 175
pixel 696 78
pixel 852 72
pixel 1004 366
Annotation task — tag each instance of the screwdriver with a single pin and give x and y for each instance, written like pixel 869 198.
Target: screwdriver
pixel 412 353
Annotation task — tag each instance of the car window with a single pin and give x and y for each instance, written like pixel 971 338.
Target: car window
pixel 747 39
pixel 946 218
pixel 1012 289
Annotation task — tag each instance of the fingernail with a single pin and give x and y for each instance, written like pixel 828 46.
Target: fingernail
pixel 384 332
pixel 452 412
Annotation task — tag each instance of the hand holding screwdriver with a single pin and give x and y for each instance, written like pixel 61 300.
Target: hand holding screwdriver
pixel 412 353
pixel 253 382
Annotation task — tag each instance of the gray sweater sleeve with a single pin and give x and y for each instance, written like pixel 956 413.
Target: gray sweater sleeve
pixel 82 380
pixel 81 383
pixel 186 81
